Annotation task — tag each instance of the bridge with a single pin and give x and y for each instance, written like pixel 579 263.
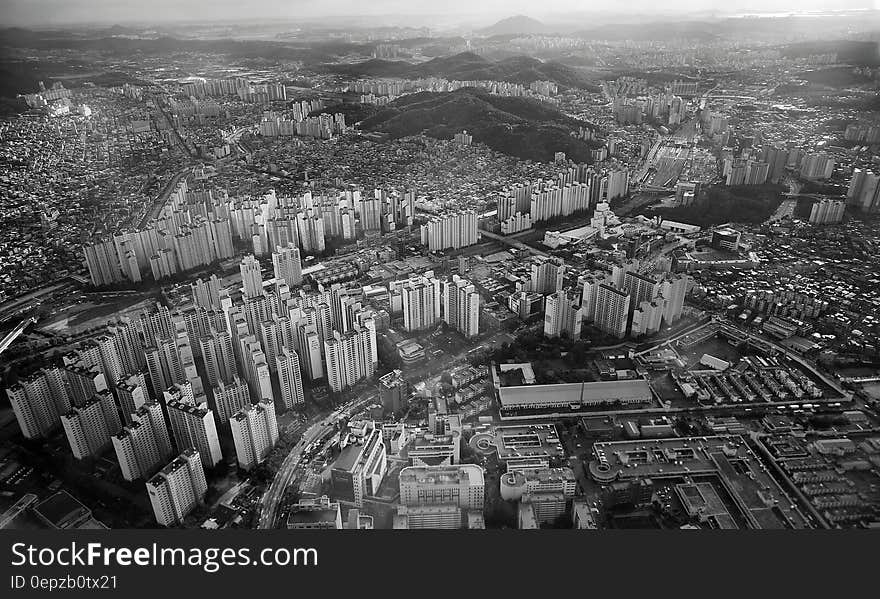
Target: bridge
pixel 513 243
pixel 13 512
pixel 15 333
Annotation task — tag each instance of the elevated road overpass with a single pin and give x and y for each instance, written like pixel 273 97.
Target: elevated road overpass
pixel 512 243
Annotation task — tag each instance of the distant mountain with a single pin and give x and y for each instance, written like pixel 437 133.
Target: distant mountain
pixel 375 67
pixel 468 66
pixel 652 31
pixel 316 53
pixel 512 25
pixel 465 62
pixel 519 127
pixel 854 52
pixel 755 29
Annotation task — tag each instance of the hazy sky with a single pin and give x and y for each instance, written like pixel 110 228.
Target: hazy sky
pixel 52 12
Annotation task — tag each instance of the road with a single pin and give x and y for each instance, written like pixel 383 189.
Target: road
pixel 513 243
pixel 23 303
pixel 13 335
pixel 21 505
pixel 668 249
pixel 272 498
pixel 317 429
pixel 163 197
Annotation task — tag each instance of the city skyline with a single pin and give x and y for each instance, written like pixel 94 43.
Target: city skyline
pixel 287 266
pixel 67 12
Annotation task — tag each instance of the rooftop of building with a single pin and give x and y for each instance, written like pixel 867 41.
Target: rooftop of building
pixel 313 512
pixel 62 510
pixel 469 474
pixel 582 393
pixel 527 441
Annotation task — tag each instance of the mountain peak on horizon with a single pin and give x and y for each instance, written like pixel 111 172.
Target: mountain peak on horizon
pixel 515 24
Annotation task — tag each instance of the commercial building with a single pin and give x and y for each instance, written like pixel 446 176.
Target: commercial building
pixel 441 497
pixel 726 239
pixel 319 513
pixel 360 467
pixel 626 469
pixel 515 484
pixel 583 515
pixel 528 447
pixel 433 449
pixel 416 517
pixel 541 508
pixel 525 304
pixel 462 486
pixel 393 392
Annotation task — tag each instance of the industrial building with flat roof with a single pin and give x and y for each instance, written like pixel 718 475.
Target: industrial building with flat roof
pixel 726 461
pixel 525 401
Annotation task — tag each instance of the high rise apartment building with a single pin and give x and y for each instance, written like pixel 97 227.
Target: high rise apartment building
pixel 177 488
pixel 461 306
pixel 254 432
pixel 194 426
pixel 563 315
pixel 350 356
pixel 287 264
pixel 229 398
pixel 420 301
pixel 89 427
pixel 36 408
pixel 612 310
pixel 290 378
pixel 452 230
